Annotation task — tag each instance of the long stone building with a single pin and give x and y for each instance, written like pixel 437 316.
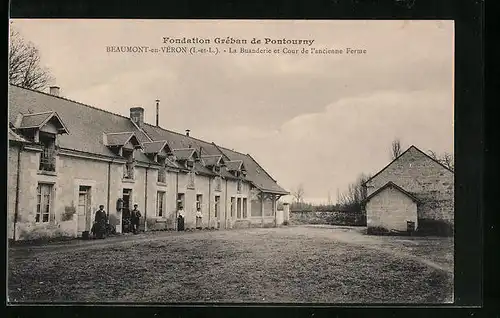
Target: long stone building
pixel 414 187
pixel 67 158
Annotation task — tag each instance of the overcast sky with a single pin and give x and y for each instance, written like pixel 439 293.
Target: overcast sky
pixel 319 120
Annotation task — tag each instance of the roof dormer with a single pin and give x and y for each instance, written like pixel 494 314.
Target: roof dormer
pixel 157 150
pixel 213 162
pixel 186 156
pixel 236 167
pixel 29 125
pixel 121 141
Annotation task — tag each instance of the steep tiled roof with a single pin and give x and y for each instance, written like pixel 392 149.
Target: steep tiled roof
pixel 255 173
pixel 15 137
pixel 86 123
pixel 180 141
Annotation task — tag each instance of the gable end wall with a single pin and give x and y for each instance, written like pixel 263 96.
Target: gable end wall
pixel 427 180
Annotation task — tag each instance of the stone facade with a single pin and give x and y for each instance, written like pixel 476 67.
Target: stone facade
pixel 424 178
pixel 391 209
pixel 86 169
pixel 75 172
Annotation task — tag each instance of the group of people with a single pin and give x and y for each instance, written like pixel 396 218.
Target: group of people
pixel 101 226
pixel 181 217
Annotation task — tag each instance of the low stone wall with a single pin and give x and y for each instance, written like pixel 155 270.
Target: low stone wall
pixel 241 224
pixel 332 218
pixel 35 232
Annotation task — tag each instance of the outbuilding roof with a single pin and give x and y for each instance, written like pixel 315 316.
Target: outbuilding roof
pixel 392 185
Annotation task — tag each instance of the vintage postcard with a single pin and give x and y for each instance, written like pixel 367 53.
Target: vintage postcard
pixel 231 161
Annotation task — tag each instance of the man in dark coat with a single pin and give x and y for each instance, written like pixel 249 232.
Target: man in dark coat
pixel 135 215
pixel 101 219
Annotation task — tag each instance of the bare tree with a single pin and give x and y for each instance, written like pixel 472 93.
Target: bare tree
pixel 298 193
pixel 433 155
pixel 352 198
pixel 25 68
pixel 446 159
pixel 396 148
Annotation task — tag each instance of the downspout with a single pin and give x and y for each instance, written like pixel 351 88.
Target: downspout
pixel 109 185
pixel 275 209
pixel 176 198
pixel 225 208
pixel 146 198
pixel 262 206
pixel 18 178
pixel 209 196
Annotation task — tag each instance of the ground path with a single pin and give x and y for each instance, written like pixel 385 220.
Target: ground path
pixel 308 263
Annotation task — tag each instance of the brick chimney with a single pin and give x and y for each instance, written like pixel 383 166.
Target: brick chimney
pixel 54 90
pixel 137 116
pixel 187 132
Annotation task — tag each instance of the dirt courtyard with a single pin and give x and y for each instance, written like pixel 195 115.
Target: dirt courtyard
pixel 297 264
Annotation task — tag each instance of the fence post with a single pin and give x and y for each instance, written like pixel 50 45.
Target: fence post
pixel 286 212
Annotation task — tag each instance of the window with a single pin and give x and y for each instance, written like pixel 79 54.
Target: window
pixel 190 164
pixel 238 207
pixel 232 206
pixel 48 155
pixel 245 207
pixel 44 198
pixel 160 203
pixel 238 186
pixel 217 201
pixel 191 177
pixel 216 169
pixel 199 198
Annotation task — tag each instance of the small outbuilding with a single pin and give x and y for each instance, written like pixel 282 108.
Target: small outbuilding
pixel 391 208
pixel 414 191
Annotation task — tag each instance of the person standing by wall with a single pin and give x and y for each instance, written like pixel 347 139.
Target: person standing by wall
pixel 180 218
pixel 198 219
pixel 136 217
pixel 100 222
